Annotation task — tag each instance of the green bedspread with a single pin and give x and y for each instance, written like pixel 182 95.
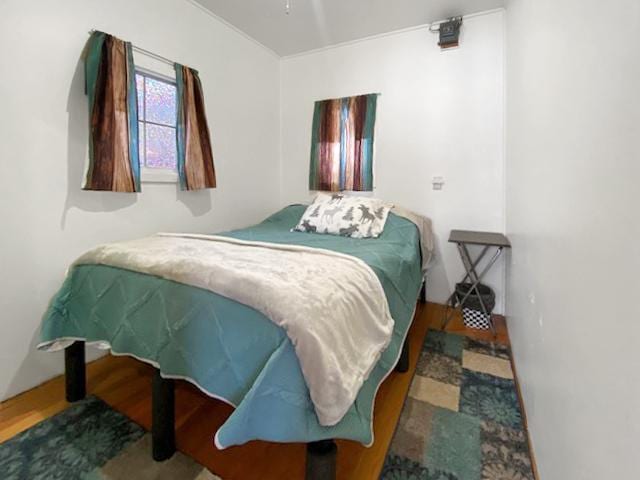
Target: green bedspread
pixel 229 350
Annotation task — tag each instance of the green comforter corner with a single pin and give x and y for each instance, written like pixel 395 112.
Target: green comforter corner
pixel 229 350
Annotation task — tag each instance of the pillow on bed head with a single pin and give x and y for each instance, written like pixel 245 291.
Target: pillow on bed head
pixel 357 217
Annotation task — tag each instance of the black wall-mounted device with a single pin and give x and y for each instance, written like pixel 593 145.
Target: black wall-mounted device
pixel 450 32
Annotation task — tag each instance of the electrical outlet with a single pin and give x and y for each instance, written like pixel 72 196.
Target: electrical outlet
pixel 437 182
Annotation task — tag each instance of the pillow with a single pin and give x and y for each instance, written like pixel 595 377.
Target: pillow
pixel 357 217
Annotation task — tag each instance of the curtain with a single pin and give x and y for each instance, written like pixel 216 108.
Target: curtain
pixel 342 144
pixel 195 157
pixel 110 85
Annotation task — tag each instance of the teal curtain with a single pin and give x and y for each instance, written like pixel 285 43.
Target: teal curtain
pixel 342 144
pixel 180 126
pixel 132 111
pixel 110 86
pixel 195 155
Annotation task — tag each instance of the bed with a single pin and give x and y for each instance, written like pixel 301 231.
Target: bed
pixel 228 350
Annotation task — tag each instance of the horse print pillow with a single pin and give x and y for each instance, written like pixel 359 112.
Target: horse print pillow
pixel 357 217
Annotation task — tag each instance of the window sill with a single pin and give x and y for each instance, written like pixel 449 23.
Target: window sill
pixel 150 175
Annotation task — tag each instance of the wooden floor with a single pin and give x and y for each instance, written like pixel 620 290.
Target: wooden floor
pixel 125 384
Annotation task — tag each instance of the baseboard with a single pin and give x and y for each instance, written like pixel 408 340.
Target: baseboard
pixel 532 456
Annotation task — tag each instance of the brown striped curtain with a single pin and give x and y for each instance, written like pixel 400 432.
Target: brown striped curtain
pixel 342 144
pixel 113 115
pixel 195 156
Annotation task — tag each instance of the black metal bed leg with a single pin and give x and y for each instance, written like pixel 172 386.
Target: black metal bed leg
pixel 403 364
pixel 75 372
pixel 321 460
pixel 163 432
pixel 423 292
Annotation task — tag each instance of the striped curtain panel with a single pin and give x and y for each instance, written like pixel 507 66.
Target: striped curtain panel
pixel 342 144
pixel 110 85
pixel 195 157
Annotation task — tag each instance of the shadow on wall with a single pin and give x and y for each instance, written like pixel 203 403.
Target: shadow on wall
pixel 35 364
pixel 437 271
pixel 199 203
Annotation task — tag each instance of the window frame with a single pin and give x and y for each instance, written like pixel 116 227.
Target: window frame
pixel 148 174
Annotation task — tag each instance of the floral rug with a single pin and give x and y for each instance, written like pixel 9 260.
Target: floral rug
pixel 90 441
pixel 461 419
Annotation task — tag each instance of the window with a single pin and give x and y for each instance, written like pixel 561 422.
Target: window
pixel 157 126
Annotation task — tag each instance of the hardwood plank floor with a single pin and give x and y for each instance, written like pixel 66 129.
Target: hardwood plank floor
pixel 125 384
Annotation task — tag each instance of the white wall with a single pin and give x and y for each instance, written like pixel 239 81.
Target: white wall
pixel 573 170
pixel 440 113
pixel 46 220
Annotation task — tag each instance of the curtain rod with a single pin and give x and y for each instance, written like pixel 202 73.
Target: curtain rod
pixel 146 52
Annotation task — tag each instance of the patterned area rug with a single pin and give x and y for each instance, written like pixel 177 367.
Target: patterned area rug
pixel 90 441
pixel 461 419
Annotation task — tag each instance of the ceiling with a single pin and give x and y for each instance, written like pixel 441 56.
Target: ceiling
pixel 313 24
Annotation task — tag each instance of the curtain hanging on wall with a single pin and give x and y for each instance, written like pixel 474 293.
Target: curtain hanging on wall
pixel 342 144
pixel 110 85
pixel 195 157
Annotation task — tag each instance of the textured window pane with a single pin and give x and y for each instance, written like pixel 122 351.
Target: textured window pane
pixel 141 142
pixel 140 91
pixel 160 102
pixel 161 147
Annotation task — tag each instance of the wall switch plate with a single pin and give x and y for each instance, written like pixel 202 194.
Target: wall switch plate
pixel 437 182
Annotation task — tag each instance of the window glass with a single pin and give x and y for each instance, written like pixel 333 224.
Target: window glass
pixel 160 102
pixel 157 122
pixel 160 146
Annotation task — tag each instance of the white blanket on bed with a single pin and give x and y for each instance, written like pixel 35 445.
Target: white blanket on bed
pixel 332 306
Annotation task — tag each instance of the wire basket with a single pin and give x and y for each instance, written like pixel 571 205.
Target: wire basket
pixel 472 313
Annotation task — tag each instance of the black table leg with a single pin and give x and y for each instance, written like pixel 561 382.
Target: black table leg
pixel 75 372
pixel 403 363
pixel 321 460
pixel 163 432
